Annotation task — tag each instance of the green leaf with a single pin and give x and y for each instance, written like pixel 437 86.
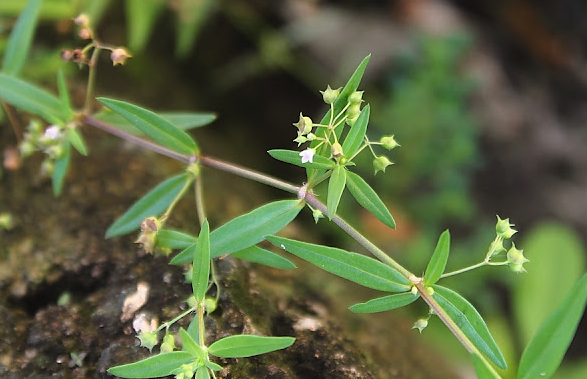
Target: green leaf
pixel 19 41
pixel 336 185
pixel 154 126
pixel 201 268
pixel 77 141
pixel 293 157
pixel 141 16
pixel 213 366
pixel 470 322
pixel 190 345
pixel 60 169
pixel 31 98
pixel 64 95
pixel 546 350
pixel 356 135
pixel 152 204
pixel 246 346
pixel 338 106
pixel 549 274
pixel 173 239
pixel 483 369
pixel 385 303
pixel 438 261
pixel 153 367
pixel 191 16
pixel 183 120
pixel 202 373
pixel 358 268
pixel 248 229
pixel 368 198
pixel 265 257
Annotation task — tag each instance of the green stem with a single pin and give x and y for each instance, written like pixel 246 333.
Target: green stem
pixel 201 325
pixel 92 67
pixel 177 198
pixel 465 269
pixel 370 246
pixel 176 319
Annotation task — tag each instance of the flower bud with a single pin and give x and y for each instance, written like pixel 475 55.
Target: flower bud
pixel 336 150
pixel 85 33
pixel 421 324
pixel 380 163
pixel 148 340
pixel 210 305
pixel 356 97
pixel 47 167
pixel 496 246
pixel 82 20
pixel 311 136
pixel 27 148
pixel 119 56
pixel 516 259
pixel 149 229
pixel 353 111
pixel 300 139
pixel 317 214
pixel 6 221
pixel 503 228
pixel 304 125
pixel 388 142
pixel 168 343
pixel 330 95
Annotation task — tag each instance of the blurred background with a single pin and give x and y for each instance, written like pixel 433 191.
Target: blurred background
pixel 486 98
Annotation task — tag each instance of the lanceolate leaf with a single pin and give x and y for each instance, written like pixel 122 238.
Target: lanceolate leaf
pixel 470 322
pixel 385 303
pixel 153 367
pixel 202 373
pixel 152 204
pixel 438 261
pixel 190 345
pixel 483 369
pixel 173 239
pixel 265 257
pixel 77 141
pixel 249 229
pixel 201 268
pixel 64 94
pixel 336 185
pixel 293 157
pixel 154 126
pixel 356 135
pixel 60 169
pixel 141 16
pixel 246 345
pixel 546 350
pixel 31 98
pixel 368 198
pixel 355 267
pixel 20 38
pixel 182 120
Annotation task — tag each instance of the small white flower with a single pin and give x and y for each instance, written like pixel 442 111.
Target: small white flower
pixel 53 132
pixel 307 155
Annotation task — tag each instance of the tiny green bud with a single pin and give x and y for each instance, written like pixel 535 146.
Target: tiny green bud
pixel 35 126
pixel 27 148
pixel 210 305
pixel 55 151
pixel 516 259
pixel 191 301
pixel 311 136
pixel 388 142
pixel 380 163
pixel 148 340
pixel 47 167
pixel 414 290
pixel 336 150
pixel 420 324
pixel 185 371
pixel 356 97
pixel 6 221
pixel 504 229
pixel 353 110
pixel 496 246
pixel 317 214
pixel 330 95
pixel 300 139
pixel 168 343
pixel 430 290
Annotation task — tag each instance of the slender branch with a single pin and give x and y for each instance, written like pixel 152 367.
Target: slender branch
pixel 465 269
pixel 370 246
pixel 137 140
pixel 249 174
pixel 92 67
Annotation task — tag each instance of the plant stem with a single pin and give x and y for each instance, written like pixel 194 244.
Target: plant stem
pixel 370 246
pixel 465 269
pixel 92 67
